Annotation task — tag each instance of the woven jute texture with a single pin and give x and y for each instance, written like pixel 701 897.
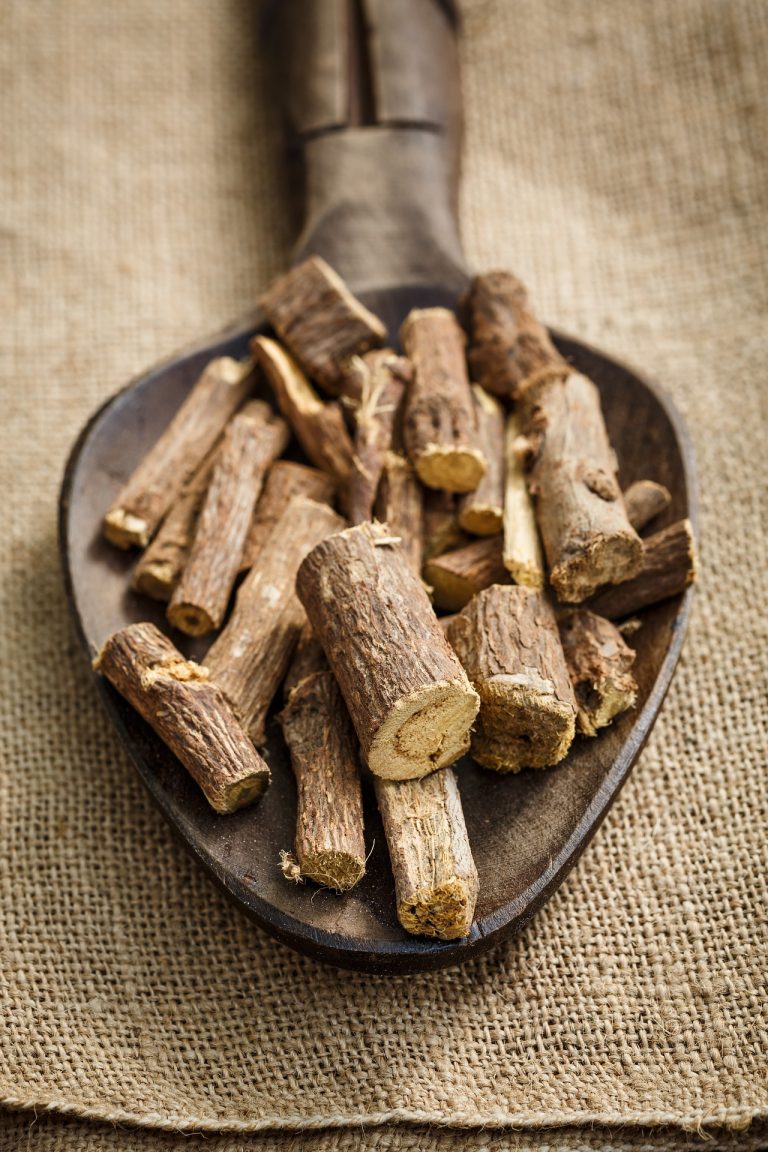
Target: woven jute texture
pixel 615 157
pixel 54 1133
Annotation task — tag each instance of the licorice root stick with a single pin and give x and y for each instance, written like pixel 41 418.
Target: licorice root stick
pixel 439 423
pixel 436 882
pixel 189 712
pixel 668 567
pixel 399 505
pixel 159 567
pixel 252 440
pixel 384 376
pixel 481 512
pixel 320 321
pixel 588 540
pixel 644 501
pixel 599 664
pixel 250 657
pixel 508 345
pixel 175 457
pixel 330 846
pixel 441 525
pixel 456 576
pixel 285 479
pixel 407 694
pixel 508 643
pixel 522 549
pixel 319 426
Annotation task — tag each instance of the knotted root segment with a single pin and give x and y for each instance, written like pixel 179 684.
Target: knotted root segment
pixel 588 540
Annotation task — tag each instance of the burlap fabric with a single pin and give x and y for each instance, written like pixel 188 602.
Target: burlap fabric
pixel 613 158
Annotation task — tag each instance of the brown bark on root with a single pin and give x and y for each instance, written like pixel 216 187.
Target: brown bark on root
pixel 455 577
pixel 588 540
pixel 173 460
pixel 318 425
pixel 599 663
pixel 406 692
pixel 507 343
pixel 383 380
pixel 285 479
pixel 188 711
pixel 320 321
pixel 644 501
pixel 252 440
pixel 399 505
pixel 330 847
pixel 250 657
pixel 439 423
pixel 481 512
pixel 436 881
pixel 668 567
pixel 508 643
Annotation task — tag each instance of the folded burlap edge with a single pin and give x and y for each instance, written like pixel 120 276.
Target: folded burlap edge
pixel 730 1119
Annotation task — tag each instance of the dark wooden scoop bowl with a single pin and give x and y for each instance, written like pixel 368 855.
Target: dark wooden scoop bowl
pixel 381 203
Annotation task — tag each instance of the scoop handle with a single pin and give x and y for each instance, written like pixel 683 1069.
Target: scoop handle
pixel 372 104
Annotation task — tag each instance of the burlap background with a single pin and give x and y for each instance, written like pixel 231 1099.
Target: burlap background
pixel 613 157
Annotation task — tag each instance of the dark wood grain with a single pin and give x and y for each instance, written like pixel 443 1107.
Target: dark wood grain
pixel 526 832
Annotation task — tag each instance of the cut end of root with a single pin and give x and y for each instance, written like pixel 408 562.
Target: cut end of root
pixel 528 575
pixel 232 371
pixel 190 619
pixel 607 560
pixel 522 727
pixel 481 519
pixel 445 913
pixel 156 580
pixel 337 870
pixel 239 793
pixel 426 730
pixel 604 702
pixel 125 530
pixel 451 469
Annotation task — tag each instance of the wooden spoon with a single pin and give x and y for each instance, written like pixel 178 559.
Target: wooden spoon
pixel 378 125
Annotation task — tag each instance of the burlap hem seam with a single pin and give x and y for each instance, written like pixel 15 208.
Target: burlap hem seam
pixel 729 1119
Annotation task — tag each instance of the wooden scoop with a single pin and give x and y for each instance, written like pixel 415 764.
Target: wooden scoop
pixel 373 109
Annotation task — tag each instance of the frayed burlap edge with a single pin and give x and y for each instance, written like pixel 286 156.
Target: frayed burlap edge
pixel 731 1119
